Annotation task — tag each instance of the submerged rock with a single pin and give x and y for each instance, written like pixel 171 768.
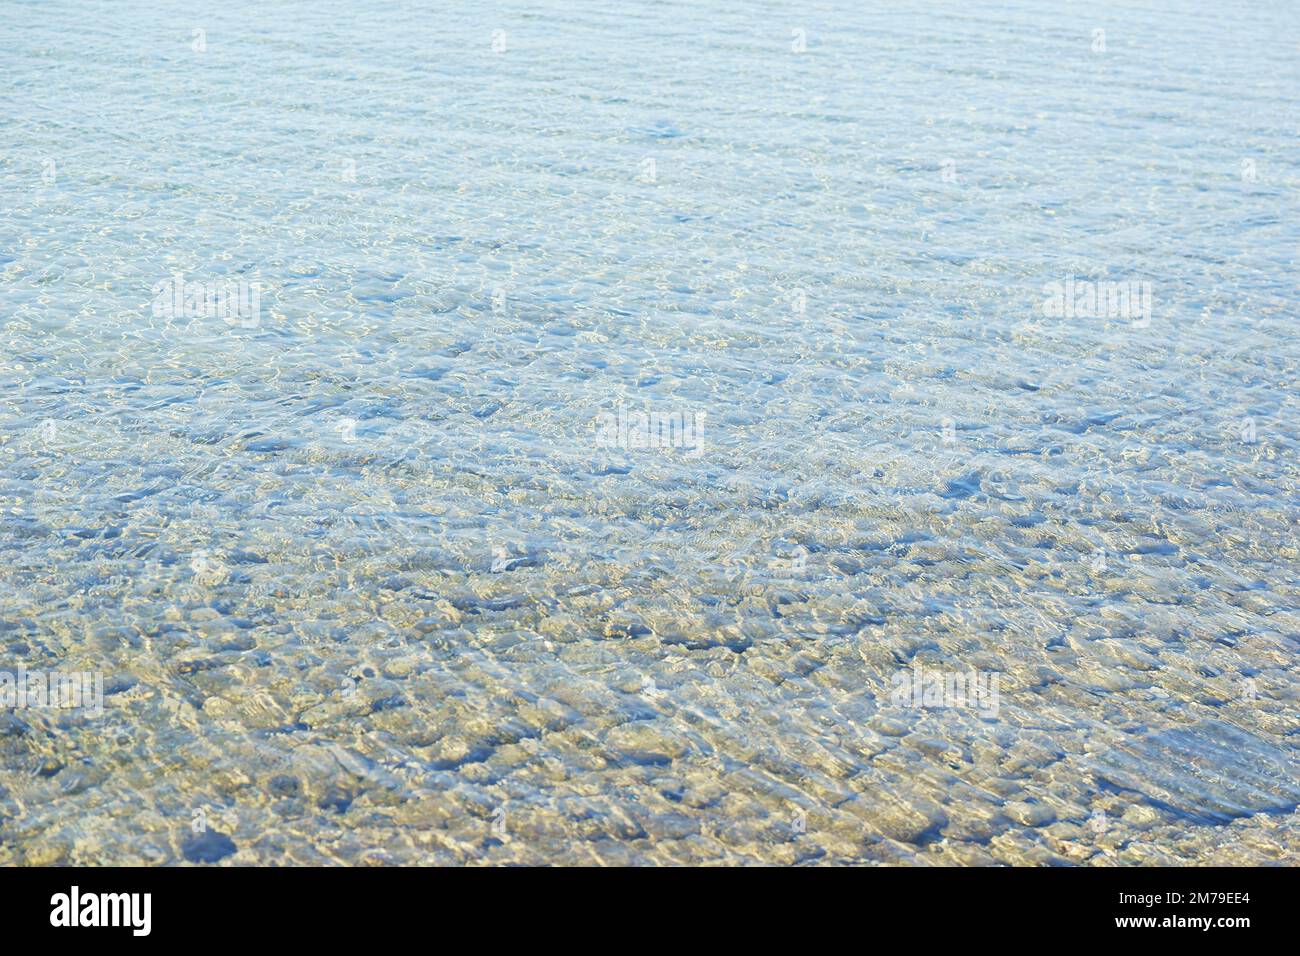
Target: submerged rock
pixel 1208 772
pixel 208 847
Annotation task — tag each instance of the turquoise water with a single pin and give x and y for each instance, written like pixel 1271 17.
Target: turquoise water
pixel 370 578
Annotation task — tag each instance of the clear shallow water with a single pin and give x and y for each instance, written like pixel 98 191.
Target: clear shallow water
pixel 365 588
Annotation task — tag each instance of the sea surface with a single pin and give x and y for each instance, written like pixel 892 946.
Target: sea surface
pixel 367 575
